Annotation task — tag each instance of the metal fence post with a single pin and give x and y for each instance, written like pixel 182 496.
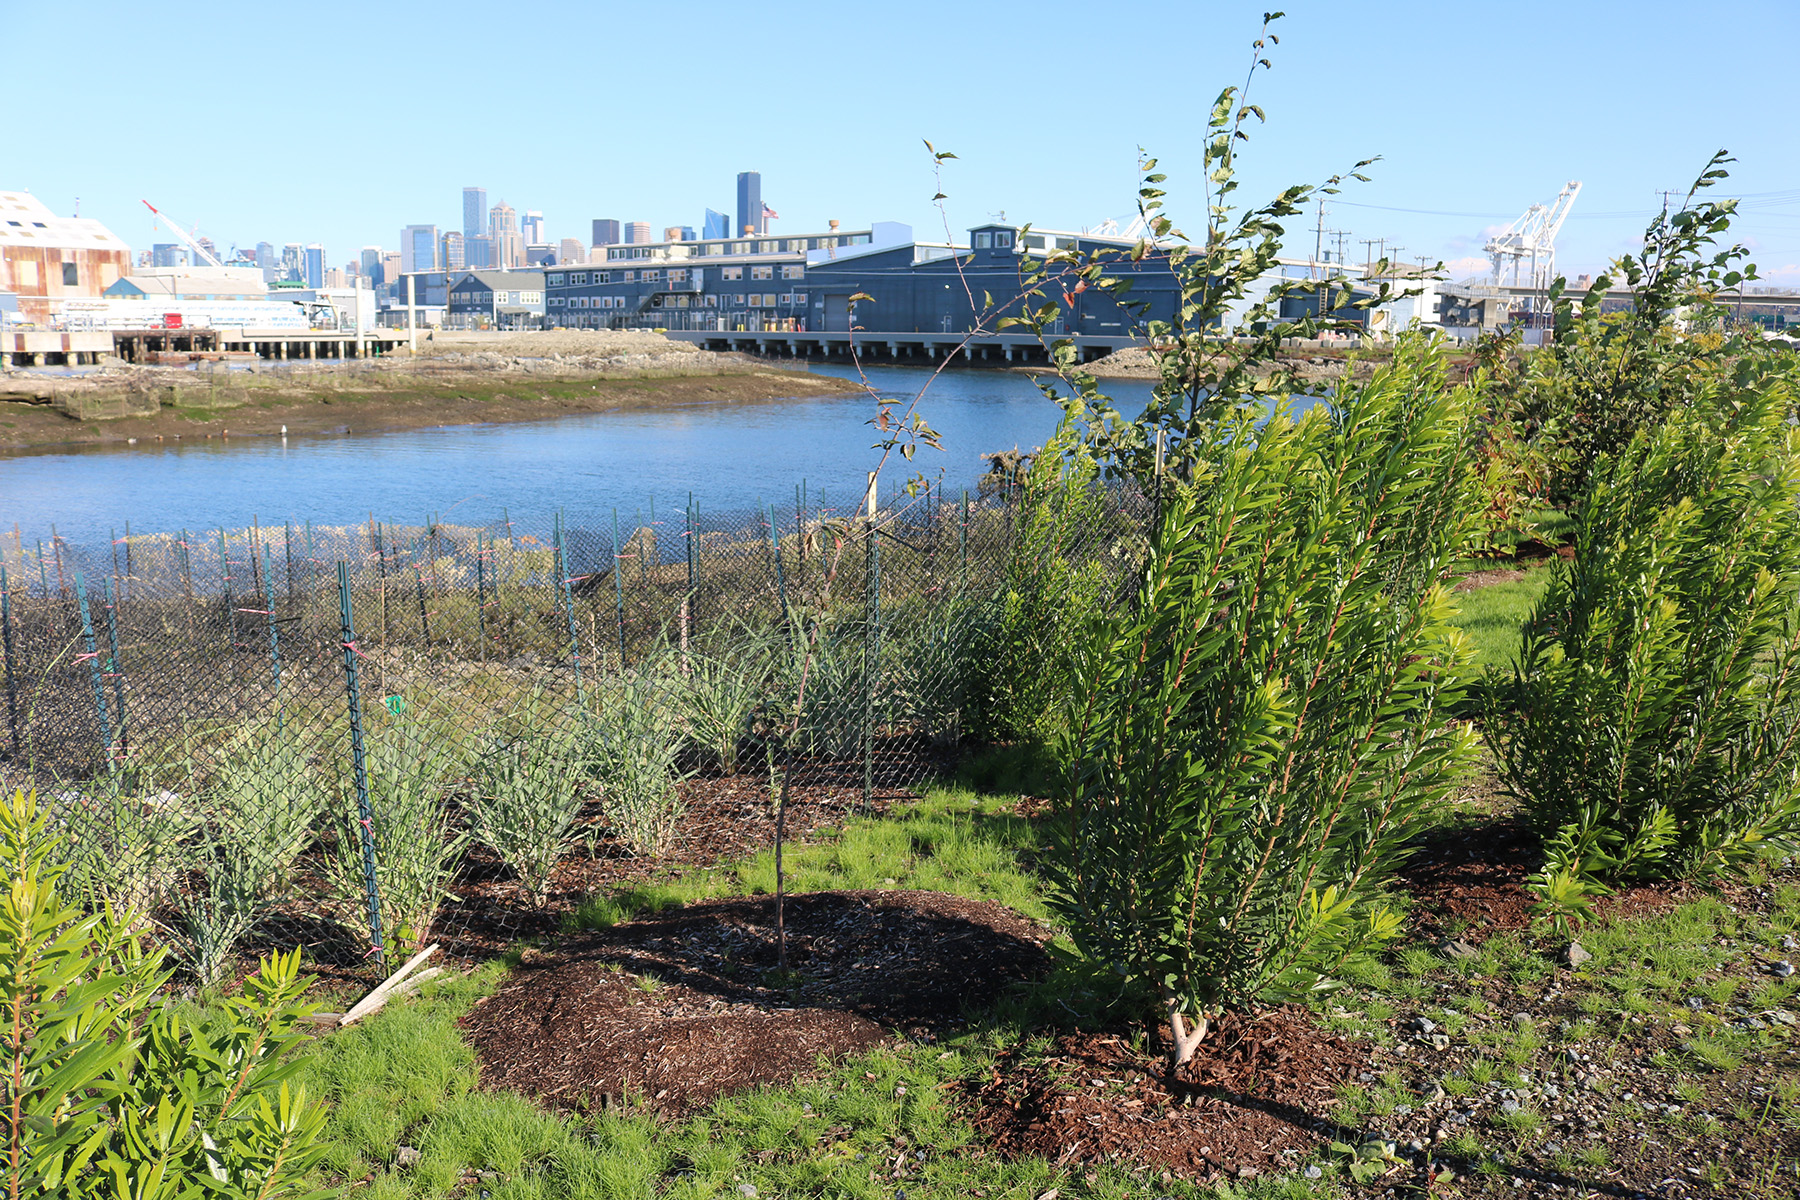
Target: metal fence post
pixel 274 637
pixel 114 667
pixel 419 587
pixel 787 623
pixel 93 661
pixel 871 641
pixel 364 810
pixel 12 676
pixel 128 567
pixel 619 585
pixel 568 605
pixel 480 596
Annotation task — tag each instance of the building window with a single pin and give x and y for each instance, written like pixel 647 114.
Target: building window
pixel 731 273
pixel 984 241
pixel 578 278
pixel 793 272
pixel 739 248
pixel 712 302
pixel 762 272
pixel 678 274
pixel 766 247
pixel 554 281
pixel 1002 239
pixel 630 276
pixel 602 276
pixel 652 276
pixel 70 278
pixel 799 297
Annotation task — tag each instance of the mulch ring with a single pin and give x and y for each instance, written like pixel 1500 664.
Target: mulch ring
pixel 1469 881
pixel 675 1009
pixel 1245 1105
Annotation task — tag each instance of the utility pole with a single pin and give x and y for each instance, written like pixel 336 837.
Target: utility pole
pixel 1368 258
pixel 1319 237
pixel 1342 236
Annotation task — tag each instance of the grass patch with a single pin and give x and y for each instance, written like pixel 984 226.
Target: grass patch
pixel 1493 615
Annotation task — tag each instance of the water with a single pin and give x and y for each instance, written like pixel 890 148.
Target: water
pixel 732 458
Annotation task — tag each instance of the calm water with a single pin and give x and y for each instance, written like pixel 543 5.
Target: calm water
pixel 732 458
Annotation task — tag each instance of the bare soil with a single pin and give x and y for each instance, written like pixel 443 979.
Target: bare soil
pixel 678 1008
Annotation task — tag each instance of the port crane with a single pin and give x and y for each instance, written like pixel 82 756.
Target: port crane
pixel 1532 236
pixel 200 252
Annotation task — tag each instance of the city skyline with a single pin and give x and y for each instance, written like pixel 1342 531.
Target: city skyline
pixel 1458 157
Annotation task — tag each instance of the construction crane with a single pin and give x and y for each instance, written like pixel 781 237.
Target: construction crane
pixel 200 252
pixel 1532 236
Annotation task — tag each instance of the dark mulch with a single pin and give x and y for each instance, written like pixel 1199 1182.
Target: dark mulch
pixel 1247 1104
pixel 1469 881
pixel 686 1005
pixel 1476 580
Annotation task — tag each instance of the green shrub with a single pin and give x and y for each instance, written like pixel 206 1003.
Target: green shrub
pixel 630 742
pixel 1256 738
pixel 127 843
pixel 113 1094
pixel 264 801
pixel 1650 722
pixel 1054 587
pixel 719 690
pixel 528 792
pixel 417 846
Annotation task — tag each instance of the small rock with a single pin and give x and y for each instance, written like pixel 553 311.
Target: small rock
pixel 1575 955
pixel 1424 1024
pixel 1522 1020
pixel 405 1156
pixel 1439 1041
pixel 1782 1016
pixel 1788 942
pixel 1457 949
pixel 1435 1094
pixel 1313 1171
pixel 747 1190
pixel 1782 968
pixel 1750 1023
pixel 1509 1107
pixel 1697 1003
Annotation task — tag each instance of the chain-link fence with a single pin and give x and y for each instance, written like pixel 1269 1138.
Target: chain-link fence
pixel 365 738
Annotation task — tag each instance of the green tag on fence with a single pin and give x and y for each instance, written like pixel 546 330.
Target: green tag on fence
pixel 395 704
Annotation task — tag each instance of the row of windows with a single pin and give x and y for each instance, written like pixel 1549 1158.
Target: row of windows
pixel 674 274
pixel 739 300
pixel 587 302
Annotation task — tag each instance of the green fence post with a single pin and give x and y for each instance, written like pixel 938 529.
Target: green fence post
pixel 619 586
pixel 568 605
pixel 780 579
pixel 113 666
pixel 274 637
pixel 871 648
pixel 12 677
pixel 93 661
pixel 359 764
pixel 480 595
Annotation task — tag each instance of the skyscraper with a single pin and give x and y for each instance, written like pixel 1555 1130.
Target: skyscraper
pixel 265 254
pixel 637 233
pixel 750 205
pixel 478 252
pixel 418 249
pixel 570 250
pixel 371 265
pixel 531 228
pixel 453 251
pixel 314 265
pixel 717 225
pixel 503 227
pixel 606 232
pixel 168 254
pixel 475 212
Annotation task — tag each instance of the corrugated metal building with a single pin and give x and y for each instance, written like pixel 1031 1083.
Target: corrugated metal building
pixel 45 258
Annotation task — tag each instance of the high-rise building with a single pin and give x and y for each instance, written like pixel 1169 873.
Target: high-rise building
pixel 168 254
pixel 503 227
pixel 371 265
pixel 418 248
pixel 207 245
pixel 475 212
pixel 453 251
pixel 570 250
pixel 531 228
pixel 717 225
pixel 265 254
pixel 637 233
pixel 293 263
pixel 606 232
pixel 750 205
pixel 390 268
pixel 478 253
pixel 313 265
pixel 334 277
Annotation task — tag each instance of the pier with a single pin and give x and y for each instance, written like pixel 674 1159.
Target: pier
pixel 998 349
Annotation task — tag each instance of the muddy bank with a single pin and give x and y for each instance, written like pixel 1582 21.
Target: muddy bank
pixel 456 380
pixel 1135 362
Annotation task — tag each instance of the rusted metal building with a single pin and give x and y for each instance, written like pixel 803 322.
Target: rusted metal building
pixel 45 259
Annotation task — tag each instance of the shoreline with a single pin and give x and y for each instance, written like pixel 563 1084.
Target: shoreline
pixel 459 382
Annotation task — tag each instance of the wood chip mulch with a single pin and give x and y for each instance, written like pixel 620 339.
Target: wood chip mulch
pixel 675 1009
pixel 1247 1104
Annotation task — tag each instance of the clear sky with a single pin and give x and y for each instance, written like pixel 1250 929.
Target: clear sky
pixel 341 122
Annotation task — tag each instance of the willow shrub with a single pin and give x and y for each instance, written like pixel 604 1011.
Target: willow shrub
pixel 1257 736
pixel 1650 722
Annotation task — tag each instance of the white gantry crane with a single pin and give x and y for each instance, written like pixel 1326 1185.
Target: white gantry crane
pixel 200 252
pixel 1531 239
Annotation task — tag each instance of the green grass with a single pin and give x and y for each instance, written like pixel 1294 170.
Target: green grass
pixel 1492 616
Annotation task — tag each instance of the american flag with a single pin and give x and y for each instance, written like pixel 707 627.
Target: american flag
pixel 770 214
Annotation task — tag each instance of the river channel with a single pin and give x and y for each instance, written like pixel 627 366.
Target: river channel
pixel 732 458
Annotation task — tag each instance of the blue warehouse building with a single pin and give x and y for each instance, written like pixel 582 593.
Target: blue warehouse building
pixel 792 294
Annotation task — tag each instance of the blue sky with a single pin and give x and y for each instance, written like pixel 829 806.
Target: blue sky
pixel 341 122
